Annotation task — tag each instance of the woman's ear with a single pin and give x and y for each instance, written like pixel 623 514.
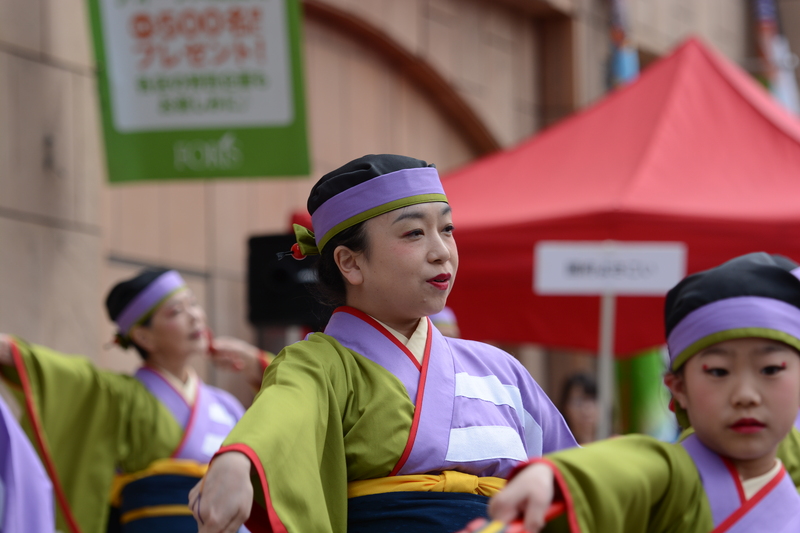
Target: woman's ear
pixel 677 386
pixel 142 337
pixel 348 262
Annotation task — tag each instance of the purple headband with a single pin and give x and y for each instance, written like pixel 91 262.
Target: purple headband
pixel 375 197
pixel 732 318
pixel 147 300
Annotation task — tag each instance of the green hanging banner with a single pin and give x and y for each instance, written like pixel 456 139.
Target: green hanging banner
pixel 200 88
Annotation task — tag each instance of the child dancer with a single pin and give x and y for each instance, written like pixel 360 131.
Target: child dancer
pixel 380 423
pixel 733 334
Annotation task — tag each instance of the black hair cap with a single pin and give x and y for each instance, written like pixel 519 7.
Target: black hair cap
pixel 756 274
pixel 125 291
pixel 358 171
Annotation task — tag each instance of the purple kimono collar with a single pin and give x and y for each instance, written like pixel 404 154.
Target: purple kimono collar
pixel 204 425
pixel 771 508
pixel 363 334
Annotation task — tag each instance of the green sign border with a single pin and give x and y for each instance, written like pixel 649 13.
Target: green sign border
pixel 141 156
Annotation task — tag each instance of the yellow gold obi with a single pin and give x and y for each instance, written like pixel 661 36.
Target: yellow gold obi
pixel 447 481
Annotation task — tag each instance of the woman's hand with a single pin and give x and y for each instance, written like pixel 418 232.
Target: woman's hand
pixel 5 350
pixel 237 355
pixel 222 500
pixel 528 495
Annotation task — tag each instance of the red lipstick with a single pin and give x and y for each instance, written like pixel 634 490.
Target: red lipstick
pixel 748 425
pixel 441 282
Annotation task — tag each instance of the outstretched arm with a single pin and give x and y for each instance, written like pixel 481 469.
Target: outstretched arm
pixel 79 415
pixel 528 496
pixel 240 356
pixel 628 484
pixel 221 502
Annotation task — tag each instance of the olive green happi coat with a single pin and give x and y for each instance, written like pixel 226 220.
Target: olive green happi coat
pixel 93 422
pixel 325 416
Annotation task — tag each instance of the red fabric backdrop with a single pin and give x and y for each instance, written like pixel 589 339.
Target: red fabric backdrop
pixel 694 151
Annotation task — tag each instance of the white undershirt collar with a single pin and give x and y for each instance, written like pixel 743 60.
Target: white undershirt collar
pixel 755 484
pixel 188 389
pixel 415 344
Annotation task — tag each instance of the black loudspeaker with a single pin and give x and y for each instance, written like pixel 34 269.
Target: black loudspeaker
pixel 278 291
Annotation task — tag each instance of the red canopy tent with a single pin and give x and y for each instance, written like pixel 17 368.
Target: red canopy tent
pixel 694 151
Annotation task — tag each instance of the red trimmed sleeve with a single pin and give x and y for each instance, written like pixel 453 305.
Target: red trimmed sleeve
pixel 562 499
pixel 41 439
pixel 262 519
pixel 519 468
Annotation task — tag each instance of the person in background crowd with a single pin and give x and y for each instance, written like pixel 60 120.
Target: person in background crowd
pixel 381 422
pixel 445 321
pixel 579 406
pixel 158 428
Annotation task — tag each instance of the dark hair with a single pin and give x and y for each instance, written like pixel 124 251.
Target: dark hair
pixel 123 293
pixel 756 274
pixel 581 379
pixel 144 354
pixel 330 288
pixel 356 172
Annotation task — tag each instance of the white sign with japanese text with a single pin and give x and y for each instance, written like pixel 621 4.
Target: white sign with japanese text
pixel 193 64
pixel 603 267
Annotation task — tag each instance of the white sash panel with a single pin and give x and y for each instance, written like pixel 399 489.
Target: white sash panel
pixel 478 443
pixel 490 389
